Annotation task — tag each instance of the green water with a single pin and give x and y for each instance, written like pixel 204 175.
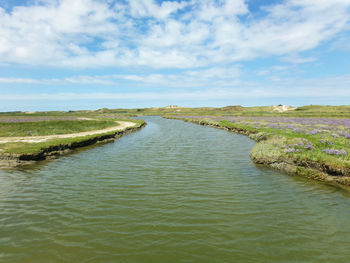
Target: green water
pixel 172 192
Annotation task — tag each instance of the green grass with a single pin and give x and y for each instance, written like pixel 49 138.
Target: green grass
pixel 53 127
pixel 236 110
pixel 278 139
pixel 32 148
pixel 273 148
pixel 104 115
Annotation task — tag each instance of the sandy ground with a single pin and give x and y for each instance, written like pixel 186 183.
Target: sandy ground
pixel 283 108
pixel 122 125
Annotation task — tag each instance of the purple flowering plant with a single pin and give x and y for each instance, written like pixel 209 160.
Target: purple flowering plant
pixel 303 135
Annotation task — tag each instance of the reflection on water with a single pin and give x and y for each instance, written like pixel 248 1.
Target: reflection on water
pixel 172 192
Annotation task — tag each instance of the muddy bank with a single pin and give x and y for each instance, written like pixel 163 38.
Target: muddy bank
pixel 309 169
pixel 10 160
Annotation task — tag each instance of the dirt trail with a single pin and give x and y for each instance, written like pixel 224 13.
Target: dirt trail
pixel 33 139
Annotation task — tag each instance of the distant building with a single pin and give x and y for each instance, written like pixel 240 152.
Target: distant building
pixel 172 107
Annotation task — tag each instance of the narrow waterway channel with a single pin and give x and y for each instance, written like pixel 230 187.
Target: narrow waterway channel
pixel 171 192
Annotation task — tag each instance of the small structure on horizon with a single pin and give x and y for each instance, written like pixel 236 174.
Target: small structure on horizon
pixel 171 107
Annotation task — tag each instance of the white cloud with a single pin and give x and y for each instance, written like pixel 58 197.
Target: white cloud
pixel 148 8
pixel 209 10
pixel 18 80
pixel 217 76
pixel 208 84
pixel 207 94
pixel 173 34
pixel 295 59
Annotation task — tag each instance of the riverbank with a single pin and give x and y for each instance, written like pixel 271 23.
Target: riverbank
pixel 171 192
pixel 289 153
pixel 20 153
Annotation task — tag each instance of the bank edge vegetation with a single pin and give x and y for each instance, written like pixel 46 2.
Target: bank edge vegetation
pixel 316 148
pixel 311 141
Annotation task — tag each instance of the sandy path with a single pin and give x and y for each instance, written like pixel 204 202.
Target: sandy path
pixel 122 125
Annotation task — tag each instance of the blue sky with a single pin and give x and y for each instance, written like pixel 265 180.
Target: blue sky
pixel 89 54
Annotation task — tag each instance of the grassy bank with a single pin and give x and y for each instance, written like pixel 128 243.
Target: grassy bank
pixel 313 137
pixel 16 153
pixel 317 148
pixel 51 127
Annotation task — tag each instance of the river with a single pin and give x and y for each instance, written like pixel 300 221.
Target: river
pixel 171 192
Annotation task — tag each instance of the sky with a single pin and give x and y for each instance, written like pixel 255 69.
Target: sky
pixel 90 54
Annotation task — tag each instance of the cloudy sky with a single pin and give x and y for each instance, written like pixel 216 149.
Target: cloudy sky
pixel 89 54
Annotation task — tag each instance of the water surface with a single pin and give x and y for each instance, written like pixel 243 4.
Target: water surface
pixel 172 192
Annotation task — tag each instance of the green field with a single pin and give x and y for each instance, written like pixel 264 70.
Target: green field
pixel 302 146
pixel 51 127
pixel 313 145
pixel 309 134
pixel 237 110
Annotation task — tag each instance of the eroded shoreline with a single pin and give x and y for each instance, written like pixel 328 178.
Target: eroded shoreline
pixel 286 164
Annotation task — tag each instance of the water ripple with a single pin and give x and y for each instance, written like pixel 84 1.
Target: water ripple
pixel 173 192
